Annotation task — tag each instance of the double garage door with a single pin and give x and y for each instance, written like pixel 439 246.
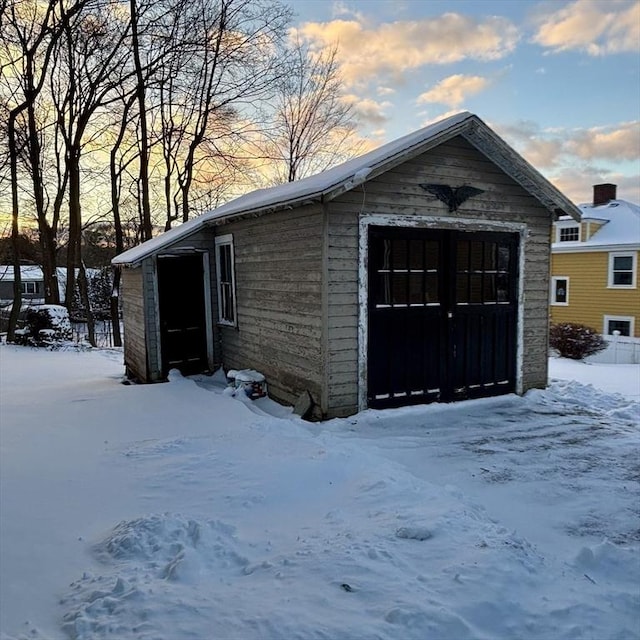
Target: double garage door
pixel 442 314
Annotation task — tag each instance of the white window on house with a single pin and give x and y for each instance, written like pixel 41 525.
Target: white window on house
pixel 30 287
pixel 560 290
pixel 622 270
pixel 225 274
pixel 568 233
pixel 623 324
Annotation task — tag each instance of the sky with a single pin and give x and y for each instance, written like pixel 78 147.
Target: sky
pixel 558 80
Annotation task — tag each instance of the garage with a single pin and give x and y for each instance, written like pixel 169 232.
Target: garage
pixel 415 273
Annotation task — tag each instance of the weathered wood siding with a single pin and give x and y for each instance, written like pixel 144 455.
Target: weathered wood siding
pixel 590 298
pixel 152 331
pixel 133 314
pixel 397 191
pixel 278 259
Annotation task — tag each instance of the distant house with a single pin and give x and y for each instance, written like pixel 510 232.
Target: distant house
pixel 32 283
pixel 418 272
pixel 594 265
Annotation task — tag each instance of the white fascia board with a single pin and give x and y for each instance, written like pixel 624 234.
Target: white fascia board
pixel 593 248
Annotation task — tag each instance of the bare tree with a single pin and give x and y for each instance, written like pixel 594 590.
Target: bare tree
pixel 314 126
pixel 140 93
pixel 30 31
pixel 230 58
pixel 121 156
pixel 90 60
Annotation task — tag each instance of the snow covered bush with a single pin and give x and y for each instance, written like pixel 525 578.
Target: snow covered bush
pixel 45 325
pixel 575 341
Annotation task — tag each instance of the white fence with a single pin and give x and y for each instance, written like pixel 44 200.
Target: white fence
pixel 103 333
pixel 620 350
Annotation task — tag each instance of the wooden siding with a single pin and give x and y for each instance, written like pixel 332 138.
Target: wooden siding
pixel 589 228
pixel 133 314
pixel 590 299
pixel 278 259
pixel 398 192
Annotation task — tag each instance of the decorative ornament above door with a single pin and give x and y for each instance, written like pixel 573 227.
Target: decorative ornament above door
pixel 453 197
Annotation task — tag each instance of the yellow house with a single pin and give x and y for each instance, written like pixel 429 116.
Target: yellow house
pixel 594 265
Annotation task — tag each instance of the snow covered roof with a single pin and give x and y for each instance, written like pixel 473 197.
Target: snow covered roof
pixel 344 177
pixel 33 272
pixel 621 228
pixel 28 273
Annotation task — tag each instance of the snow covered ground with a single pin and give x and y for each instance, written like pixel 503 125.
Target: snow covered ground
pixel 176 511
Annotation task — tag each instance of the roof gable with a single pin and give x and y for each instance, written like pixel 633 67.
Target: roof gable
pixel 344 177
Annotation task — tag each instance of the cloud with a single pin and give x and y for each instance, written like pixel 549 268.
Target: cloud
pixel 549 148
pixel 576 159
pixel 385 91
pixel 577 183
pixel 389 50
pixel 621 143
pixel 543 153
pixel 453 90
pixel 369 111
pixel 339 9
pixel 595 26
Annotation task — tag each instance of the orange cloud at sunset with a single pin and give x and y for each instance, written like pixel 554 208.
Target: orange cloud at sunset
pixel 390 49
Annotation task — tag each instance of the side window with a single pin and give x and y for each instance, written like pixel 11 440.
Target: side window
pixel 559 290
pixel 623 324
pixel 622 270
pixel 226 281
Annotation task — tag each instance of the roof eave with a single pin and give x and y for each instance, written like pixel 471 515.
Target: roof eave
pixel 254 212
pixel 343 186
pixel 513 164
pixel 472 128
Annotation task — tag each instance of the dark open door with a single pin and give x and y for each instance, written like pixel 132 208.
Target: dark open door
pixel 182 313
pixel 442 315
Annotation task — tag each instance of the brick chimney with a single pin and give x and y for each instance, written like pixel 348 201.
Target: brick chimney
pixel 603 193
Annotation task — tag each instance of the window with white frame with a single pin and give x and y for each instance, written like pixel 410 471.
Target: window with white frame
pixel 623 324
pixel 225 274
pixel 30 287
pixel 567 232
pixel 560 290
pixel 622 270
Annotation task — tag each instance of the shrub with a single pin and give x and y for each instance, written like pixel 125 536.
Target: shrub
pixel 45 325
pixel 99 284
pixel 575 341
